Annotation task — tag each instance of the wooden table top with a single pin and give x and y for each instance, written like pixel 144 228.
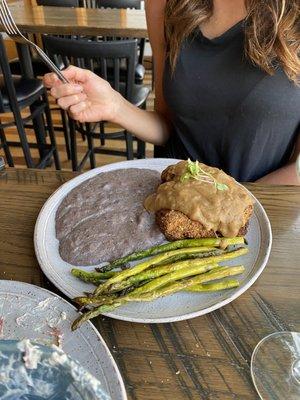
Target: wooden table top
pixel 203 358
pixel 78 21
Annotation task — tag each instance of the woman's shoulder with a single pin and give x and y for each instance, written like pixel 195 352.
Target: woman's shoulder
pixel 155 11
pixel 157 5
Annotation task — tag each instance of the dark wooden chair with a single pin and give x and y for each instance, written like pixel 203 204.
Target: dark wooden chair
pixel 86 54
pixel 58 3
pixel 18 93
pixel 40 68
pixel 119 4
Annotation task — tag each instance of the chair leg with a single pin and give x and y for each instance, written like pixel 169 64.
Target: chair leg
pixel 141 145
pixel 142 50
pixel 23 139
pixel 51 132
pixel 141 149
pixel 102 134
pixel 6 149
pixel 39 129
pixel 82 135
pixel 64 121
pixel 73 146
pixel 129 145
pixel 90 143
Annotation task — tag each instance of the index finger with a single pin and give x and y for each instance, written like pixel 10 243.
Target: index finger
pixel 73 75
pixel 50 80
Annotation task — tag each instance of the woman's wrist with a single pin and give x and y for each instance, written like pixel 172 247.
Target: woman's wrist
pixel 120 105
pixel 145 125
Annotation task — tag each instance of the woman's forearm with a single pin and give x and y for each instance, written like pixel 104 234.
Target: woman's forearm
pixel 148 126
pixel 89 98
pixel 286 175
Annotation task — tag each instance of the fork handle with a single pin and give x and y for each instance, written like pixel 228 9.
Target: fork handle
pixel 51 65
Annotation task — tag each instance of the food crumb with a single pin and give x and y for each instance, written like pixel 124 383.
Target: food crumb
pixel 63 315
pixel 57 335
pixel 197 345
pixel 177 372
pixel 208 354
pixel 150 362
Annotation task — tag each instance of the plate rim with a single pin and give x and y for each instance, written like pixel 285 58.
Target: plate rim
pixel 102 341
pixel 238 292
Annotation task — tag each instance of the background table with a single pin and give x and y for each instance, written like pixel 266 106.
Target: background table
pixel 31 18
pixel 204 358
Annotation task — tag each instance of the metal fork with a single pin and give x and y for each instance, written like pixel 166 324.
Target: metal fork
pixel 13 31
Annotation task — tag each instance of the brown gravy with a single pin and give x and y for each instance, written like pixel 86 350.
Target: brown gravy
pixel 104 218
pixel 222 211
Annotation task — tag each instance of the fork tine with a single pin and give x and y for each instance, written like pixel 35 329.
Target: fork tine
pixel 6 21
pixel 12 30
pixel 10 18
pixel 3 20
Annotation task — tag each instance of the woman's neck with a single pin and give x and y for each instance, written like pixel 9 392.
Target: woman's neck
pixel 225 15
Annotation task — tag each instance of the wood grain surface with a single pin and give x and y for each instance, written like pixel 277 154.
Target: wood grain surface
pixel 204 358
pixel 78 21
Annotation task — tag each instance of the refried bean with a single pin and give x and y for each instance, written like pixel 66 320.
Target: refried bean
pixel 103 218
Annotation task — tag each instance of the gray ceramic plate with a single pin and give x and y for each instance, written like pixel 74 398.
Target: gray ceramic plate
pixel 30 312
pixel 172 308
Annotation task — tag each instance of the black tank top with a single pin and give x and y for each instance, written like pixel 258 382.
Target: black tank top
pixel 228 113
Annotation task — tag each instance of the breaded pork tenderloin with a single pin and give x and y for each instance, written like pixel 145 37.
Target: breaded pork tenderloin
pixel 195 200
pixel 176 226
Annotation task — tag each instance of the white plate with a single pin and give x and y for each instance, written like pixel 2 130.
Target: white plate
pixel 34 313
pixel 172 308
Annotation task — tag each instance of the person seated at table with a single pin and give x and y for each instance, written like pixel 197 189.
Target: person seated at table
pixel 227 93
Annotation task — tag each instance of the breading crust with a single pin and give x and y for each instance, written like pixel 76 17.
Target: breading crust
pixel 175 225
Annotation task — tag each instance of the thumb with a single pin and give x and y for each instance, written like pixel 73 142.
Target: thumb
pixel 76 75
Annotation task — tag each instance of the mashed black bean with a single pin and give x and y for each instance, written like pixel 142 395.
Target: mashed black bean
pixel 103 218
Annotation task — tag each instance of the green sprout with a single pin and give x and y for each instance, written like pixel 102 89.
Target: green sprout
pixel 194 171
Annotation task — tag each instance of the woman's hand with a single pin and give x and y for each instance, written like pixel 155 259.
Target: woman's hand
pixel 87 98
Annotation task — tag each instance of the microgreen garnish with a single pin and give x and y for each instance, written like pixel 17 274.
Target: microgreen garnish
pixel 194 171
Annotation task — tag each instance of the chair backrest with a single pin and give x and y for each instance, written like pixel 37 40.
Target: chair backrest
pixel 94 56
pixel 136 4
pixel 6 77
pixel 58 3
pixel 133 4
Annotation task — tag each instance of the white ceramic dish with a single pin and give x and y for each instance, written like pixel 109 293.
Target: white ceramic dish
pixel 30 312
pixel 172 308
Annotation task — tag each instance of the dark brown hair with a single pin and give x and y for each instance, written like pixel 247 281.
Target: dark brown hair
pixel 271 31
